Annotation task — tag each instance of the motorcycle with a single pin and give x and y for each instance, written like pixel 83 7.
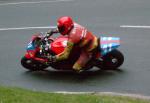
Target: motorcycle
pixel 105 57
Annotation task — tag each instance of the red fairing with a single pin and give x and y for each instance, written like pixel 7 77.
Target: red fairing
pixel 35 36
pixel 30 54
pixel 59 44
pixel 40 59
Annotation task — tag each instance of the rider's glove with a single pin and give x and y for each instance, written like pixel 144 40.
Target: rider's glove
pixel 50 32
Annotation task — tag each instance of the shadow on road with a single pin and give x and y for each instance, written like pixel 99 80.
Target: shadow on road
pixel 70 76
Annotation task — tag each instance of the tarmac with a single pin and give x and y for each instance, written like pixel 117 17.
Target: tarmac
pixel 103 18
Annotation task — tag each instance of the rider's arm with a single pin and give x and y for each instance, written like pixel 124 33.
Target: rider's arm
pixel 65 54
pixel 51 32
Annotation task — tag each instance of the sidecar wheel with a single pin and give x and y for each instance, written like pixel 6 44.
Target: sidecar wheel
pixel 32 65
pixel 112 60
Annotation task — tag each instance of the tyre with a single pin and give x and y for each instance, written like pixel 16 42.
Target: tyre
pixel 32 65
pixel 112 60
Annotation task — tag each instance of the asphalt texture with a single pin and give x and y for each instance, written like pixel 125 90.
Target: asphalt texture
pixel 103 18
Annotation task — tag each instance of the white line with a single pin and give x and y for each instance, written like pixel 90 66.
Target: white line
pixel 107 93
pixel 23 28
pixel 17 3
pixel 135 26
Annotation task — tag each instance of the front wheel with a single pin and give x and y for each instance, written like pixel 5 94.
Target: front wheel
pixel 32 65
pixel 112 60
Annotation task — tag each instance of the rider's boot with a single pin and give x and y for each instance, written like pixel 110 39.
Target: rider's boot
pixel 78 68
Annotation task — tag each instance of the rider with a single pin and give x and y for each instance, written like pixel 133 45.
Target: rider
pixel 77 35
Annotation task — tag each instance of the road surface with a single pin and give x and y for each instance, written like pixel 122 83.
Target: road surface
pixel 103 18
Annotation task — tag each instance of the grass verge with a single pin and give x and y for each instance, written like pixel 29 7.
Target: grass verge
pixel 17 95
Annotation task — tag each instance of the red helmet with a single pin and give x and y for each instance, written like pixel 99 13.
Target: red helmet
pixel 65 24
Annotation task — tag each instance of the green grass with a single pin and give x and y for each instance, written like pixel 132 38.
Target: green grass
pixel 17 95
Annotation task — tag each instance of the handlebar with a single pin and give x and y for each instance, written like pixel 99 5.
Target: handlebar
pixel 45 41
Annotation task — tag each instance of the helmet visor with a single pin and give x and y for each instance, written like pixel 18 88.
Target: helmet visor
pixel 61 29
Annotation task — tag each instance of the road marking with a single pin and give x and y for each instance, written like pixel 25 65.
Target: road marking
pixel 139 96
pixel 25 28
pixel 135 26
pixel 18 3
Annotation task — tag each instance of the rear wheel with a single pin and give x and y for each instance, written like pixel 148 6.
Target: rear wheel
pixel 32 65
pixel 112 60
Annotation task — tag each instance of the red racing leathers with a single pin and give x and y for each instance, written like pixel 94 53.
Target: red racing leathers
pixel 80 36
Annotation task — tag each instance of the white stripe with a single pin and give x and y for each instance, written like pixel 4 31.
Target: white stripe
pixel 17 3
pixel 23 28
pixel 107 93
pixel 82 35
pixel 104 38
pixel 134 26
pixel 85 32
pixel 109 38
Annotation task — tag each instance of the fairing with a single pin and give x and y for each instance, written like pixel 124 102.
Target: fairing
pixel 30 50
pixel 107 44
pixel 59 45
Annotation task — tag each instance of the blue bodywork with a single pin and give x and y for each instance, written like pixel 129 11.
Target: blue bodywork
pixel 107 44
pixel 30 46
